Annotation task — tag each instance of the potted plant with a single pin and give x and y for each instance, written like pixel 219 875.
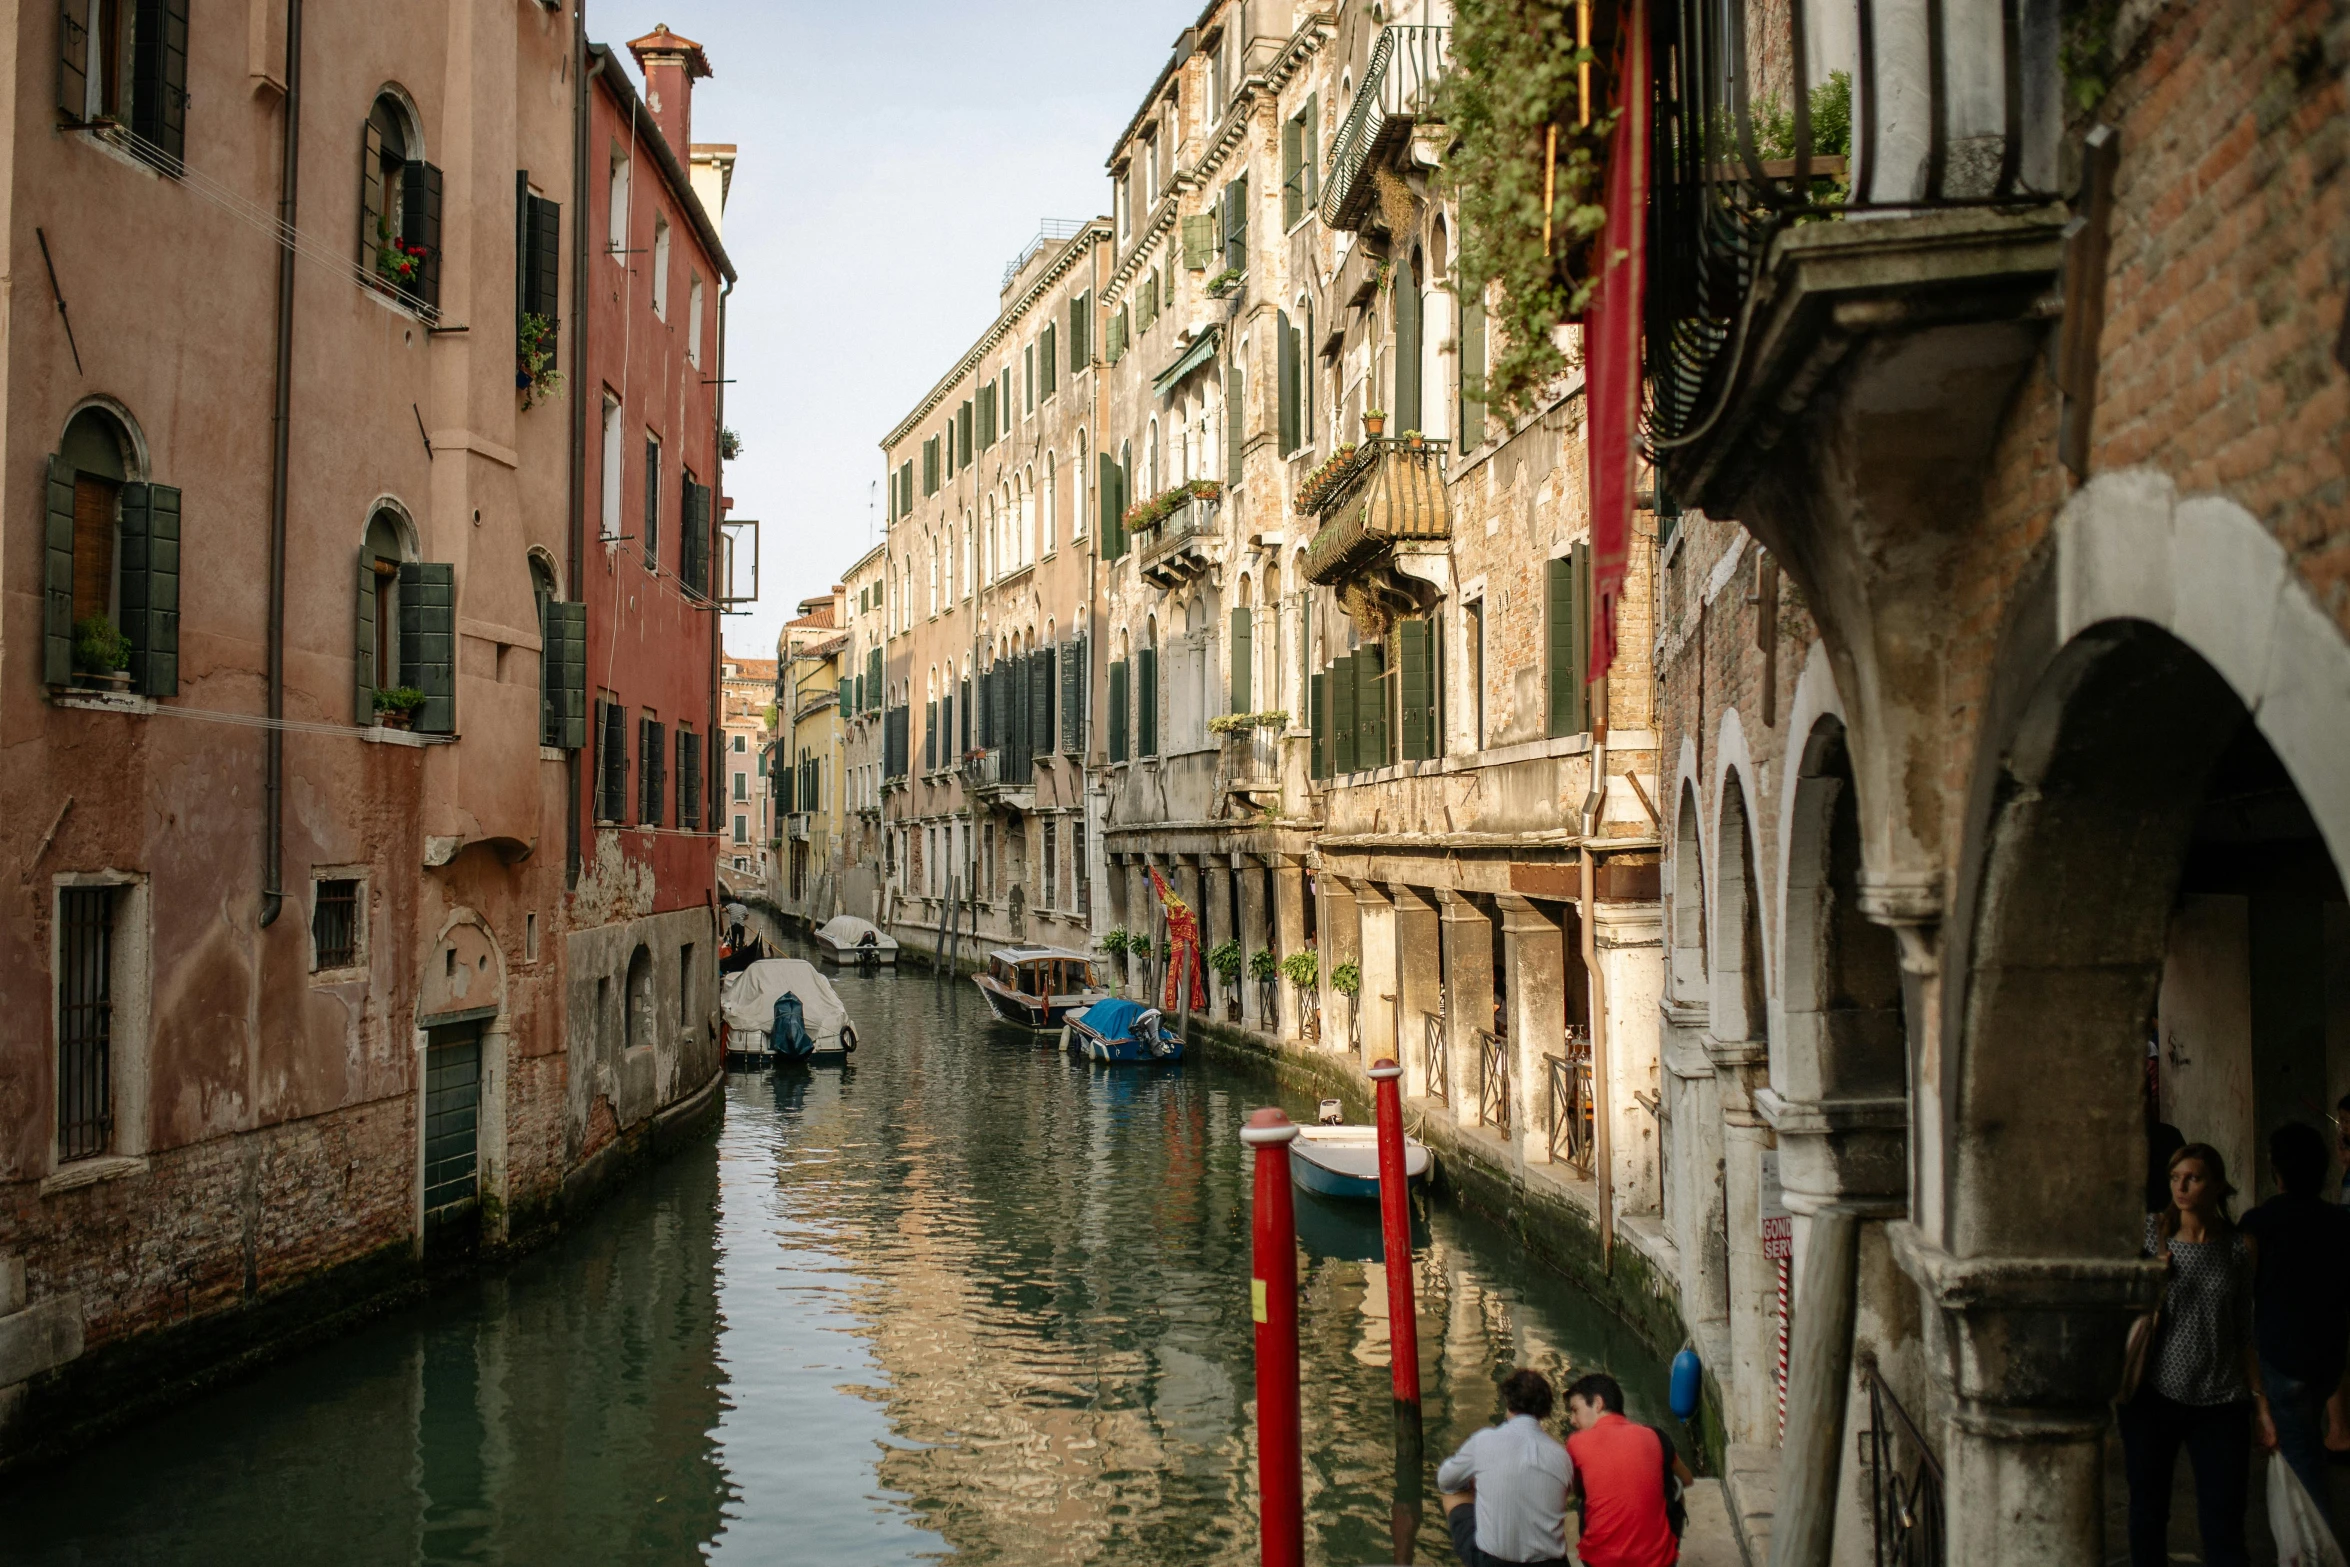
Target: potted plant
pixel 1119 942
pixel 1303 968
pixel 101 654
pixel 396 708
pixel 1374 421
pixel 396 261
pixel 1224 958
pixel 1411 438
pixel 1264 968
pixel 535 375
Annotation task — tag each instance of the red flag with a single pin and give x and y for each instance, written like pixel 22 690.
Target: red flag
pixel 1611 339
pixel 1182 943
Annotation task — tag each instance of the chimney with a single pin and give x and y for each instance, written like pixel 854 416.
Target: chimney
pixel 670 64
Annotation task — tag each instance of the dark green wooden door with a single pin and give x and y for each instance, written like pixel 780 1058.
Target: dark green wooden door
pixel 452 1125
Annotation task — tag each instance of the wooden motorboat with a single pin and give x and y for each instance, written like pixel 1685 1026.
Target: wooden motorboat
pixel 1343 1161
pixel 782 1009
pixel 1119 1030
pixel 846 938
pixel 1038 987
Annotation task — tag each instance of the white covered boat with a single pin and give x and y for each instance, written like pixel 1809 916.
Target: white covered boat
pixel 784 1009
pixel 846 938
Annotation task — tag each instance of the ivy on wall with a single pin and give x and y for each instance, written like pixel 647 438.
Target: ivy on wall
pixel 1513 78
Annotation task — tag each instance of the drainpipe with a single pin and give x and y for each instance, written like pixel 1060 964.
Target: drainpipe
pixel 274 742
pixel 1603 1141
pixel 576 568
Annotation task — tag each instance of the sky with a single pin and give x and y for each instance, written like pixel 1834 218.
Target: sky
pixel 892 156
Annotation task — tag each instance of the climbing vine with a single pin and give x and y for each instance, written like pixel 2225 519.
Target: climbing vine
pixel 1513 78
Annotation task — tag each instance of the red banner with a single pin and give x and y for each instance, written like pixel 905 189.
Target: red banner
pixel 1611 337
pixel 1183 944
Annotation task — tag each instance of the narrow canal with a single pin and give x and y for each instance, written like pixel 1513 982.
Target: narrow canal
pixel 965 1300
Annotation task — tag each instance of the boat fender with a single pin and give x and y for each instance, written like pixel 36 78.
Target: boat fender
pixel 1064 1036
pixel 1688 1384
pixel 848 1039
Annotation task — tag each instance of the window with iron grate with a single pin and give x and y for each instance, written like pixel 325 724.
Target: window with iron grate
pixel 334 925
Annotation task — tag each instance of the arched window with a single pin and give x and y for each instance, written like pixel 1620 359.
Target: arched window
pixel 111 594
pixel 639 1022
pixel 399 204
pixel 1052 497
pixel 562 660
pixel 1078 479
pixel 1150 461
pixel 377 651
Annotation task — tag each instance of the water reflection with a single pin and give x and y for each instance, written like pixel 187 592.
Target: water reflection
pixel 967 1299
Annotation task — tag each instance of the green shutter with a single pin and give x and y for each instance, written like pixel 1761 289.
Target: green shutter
pixel 1073 668
pixel 565 643
pixel 1048 359
pixel 1235 427
pixel 1236 224
pixel 1406 412
pixel 1320 724
pixel 1242 622
pixel 1080 323
pixel 420 219
pixel 1371 749
pixel 374 200
pixel 1416 693
pixel 57 577
pixel 1582 593
pixel 428 642
pixel 1342 715
pixel 1199 241
pixel 159 76
pixel 1558 635
pixel 151 586
pixel 1146 701
pixel 1293 204
pixel 542 278
pixel 1310 169
pixel 1285 385
pixel 73 59
pixel 1472 375
pixel 1118 711
pixel 363 649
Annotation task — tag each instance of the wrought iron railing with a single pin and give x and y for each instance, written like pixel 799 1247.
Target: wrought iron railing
pixel 1391 491
pixel 1493 1081
pixel 1905 1479
pixel 1435 1062
pixel 1569 1125
pixel 1051 231
pixel 1881 106
pixel 1252 758
pixel 1405 65
pixel 1193 519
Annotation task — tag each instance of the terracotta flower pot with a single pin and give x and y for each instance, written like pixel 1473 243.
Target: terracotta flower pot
pixel 1373 424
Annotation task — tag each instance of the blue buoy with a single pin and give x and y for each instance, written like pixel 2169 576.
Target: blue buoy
pixel 1688 1384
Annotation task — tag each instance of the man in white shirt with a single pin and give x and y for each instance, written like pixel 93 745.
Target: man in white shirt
pixel 1505 1491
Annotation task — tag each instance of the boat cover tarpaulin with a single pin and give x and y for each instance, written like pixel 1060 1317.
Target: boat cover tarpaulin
pixel 848 930
pixel 1112 1019
pixel 747 1000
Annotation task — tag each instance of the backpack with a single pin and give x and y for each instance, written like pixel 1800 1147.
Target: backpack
pixel 1676 1505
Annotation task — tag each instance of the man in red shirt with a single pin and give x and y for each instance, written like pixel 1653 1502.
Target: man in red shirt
pixel 1621 1470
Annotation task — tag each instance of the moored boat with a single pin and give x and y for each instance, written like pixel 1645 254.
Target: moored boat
pixel 782 1009
pixel 1343 1161
pixel 1119 1030
pixel 847 938
pixel 1038 987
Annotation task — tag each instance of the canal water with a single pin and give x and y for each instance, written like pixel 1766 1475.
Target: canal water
pixel 966 1300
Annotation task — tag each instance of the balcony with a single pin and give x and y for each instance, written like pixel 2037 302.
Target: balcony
pixel 1778 255
pixel 1405 66
pixel 1251 761
pixel 1385 492
pixel 985 775
pixel 795 826
pixel 1180 545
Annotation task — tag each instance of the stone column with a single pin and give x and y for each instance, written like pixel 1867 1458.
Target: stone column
pixel 1215 924
pixel 1342 942
pixel 1289 932
pixel 1255 935
pixel 1375 1003
pixel 1749 1379
pixel 1628 941
pixel 1537 955
pixel 1419 980
pixel 1468 1001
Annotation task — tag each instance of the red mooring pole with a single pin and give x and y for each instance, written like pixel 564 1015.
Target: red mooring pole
pixel 1395 1223
pixel 1273 1304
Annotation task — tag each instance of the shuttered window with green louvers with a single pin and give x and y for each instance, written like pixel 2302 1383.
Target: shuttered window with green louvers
pixel 1242 647
pixel 428 642
pixel 538 239
pixel 1073 667
pixel 1146 702
pixel 1044 697
pixel 57 575
pixel 1319 726
pixel 963 433
pixel 159 79
pixel 1565 585
pixel 1113 503
pixel 689 781
pixel 986 416
pixel 1115 348
pixel 1472 372
pixel 873 678
pixel 1235 225
pixel 1416 690
pixel 420 224
pixel 1235 427
pixel 693 564
pixel 653 746
pixel 930 466
pixel 1342 695
pixel 1080 331
pixel 1199 241
pixel 1371 702
pixel 611 761
pixel 930 736
pixel 1048 360
pixel 149 583
pixel 1285 384
pixel 1118 706
pixel 563 676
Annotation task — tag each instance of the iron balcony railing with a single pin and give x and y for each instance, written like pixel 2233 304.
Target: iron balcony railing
pixel 1568 1127
pixel 1389 492
pixel 1905 1480
pixel 1861 108
pixel 1052 231
pixel 1252 758
pixel 1493 1082
pixel 1398 83
pixel 1194 519
pixel 1435 1063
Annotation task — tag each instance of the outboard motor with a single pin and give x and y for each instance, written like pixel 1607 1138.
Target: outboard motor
pixel 1331 1113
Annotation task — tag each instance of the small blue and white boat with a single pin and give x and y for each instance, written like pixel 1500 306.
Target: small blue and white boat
pixel 1343 1161
pixel 1121 1030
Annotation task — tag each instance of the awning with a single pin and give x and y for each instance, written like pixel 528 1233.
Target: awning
pixel 1199 353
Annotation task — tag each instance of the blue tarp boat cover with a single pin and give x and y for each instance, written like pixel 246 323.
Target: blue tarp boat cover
pixel 789 1037
pixel 1112 1019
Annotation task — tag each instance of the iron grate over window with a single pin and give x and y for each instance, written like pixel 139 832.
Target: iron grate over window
pixel 334 925
pixel 85 1021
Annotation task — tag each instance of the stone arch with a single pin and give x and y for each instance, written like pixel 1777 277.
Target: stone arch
pixel 1688 972
pixel 1739 968
pixel 639 1003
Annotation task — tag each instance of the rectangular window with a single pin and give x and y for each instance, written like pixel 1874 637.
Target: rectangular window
pixel 693 320
pixel 742 783
pixel 1080 331
pixel 334 924
pixel 1052 862
pixel 611 773
pixel 612 460
pixel 1048 360
pixel 1288 374
pixel 616 193
pixel 930 475
pixel 649 529
pixel 661 265
pixel 742 830
pixel 653 776
pixel 1235 225
pixel 1079 871
pixel 689 780
pixel 1566 639
pixel 530 938
pixel 1028 378
pixel 85 1021
pixel 1473 640
pixel 1146 702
